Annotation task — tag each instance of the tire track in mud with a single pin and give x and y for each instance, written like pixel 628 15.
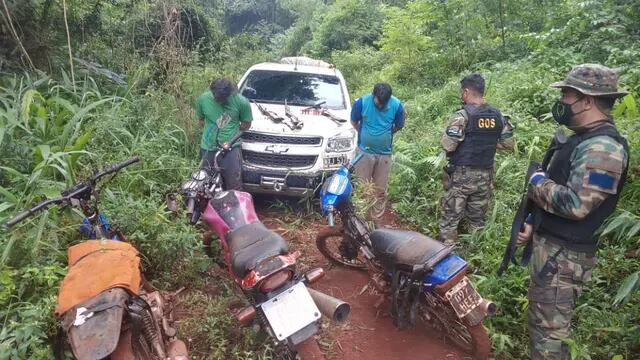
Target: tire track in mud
pixel 369 332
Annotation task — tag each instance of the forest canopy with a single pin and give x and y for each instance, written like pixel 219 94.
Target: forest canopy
pixel 87 82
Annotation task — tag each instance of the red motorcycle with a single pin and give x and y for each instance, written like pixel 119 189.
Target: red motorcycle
pixel 259 261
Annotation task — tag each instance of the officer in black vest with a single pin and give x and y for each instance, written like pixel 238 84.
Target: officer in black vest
pixel 470 140
pixel 574 194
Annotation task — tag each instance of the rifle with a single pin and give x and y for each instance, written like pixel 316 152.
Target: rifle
pixel 332 117
pixel 272 115
pixel 527 207
pixel 294 119
pixel 324 112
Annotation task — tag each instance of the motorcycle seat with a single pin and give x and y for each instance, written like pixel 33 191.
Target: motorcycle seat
pixel 400 247
pixel 252 243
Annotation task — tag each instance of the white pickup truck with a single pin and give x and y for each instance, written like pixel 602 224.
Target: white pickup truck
pixel 301 131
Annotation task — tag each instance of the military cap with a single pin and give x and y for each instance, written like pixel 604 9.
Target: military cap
pixel 592 79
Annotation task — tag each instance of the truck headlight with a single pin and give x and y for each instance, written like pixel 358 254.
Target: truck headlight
pixel 342 142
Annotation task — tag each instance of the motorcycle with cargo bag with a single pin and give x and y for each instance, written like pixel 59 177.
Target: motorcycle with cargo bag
pixel 105 307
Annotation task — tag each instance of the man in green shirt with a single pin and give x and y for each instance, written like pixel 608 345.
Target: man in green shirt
pixel 224 113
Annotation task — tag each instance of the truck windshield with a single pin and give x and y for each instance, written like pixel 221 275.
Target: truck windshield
pixel 301 89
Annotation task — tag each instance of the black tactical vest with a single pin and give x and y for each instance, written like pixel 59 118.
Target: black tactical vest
pixel 484 126
pixel 578 235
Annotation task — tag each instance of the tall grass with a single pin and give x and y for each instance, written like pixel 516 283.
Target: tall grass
pixel 416 188
pixel 50 138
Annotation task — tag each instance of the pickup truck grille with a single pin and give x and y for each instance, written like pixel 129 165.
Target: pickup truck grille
pixel 280 139
pixel 278 160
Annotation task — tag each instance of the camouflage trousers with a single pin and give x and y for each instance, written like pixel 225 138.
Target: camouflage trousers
pixel 467 192
pixel 555 285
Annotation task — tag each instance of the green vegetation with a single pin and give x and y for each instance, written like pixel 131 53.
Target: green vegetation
pixel 137 66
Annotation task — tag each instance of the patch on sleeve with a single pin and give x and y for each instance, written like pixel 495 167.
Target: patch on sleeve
pixel 605 161
pixel 601 181
pixel 454 131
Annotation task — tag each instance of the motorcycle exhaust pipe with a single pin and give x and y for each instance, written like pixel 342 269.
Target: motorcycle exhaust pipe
pixel 489 308
pixel 335 309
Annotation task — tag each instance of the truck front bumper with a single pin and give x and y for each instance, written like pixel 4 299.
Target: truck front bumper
pixel 262 181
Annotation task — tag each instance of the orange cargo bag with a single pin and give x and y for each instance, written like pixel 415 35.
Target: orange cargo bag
pixel 96 266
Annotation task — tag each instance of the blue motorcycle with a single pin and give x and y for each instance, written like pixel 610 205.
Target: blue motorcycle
pixel 424 279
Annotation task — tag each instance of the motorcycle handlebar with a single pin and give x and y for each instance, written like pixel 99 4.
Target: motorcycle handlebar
pixel 25 214
pixel 71 192
pixel 235 138
pixel 116 167
pixel 221 151
pixel 354 161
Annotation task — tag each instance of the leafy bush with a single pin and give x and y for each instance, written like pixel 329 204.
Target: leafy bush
pixel 54 131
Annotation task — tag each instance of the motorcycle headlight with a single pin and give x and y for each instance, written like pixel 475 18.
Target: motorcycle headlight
pixel 199 175
pixel 342 142
pixel 337 184
pixel 190 185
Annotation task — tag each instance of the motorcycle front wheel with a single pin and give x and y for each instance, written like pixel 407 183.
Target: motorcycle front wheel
pixel 438 314
pixel 335 246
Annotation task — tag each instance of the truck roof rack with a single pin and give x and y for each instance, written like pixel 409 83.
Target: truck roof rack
pixel 306 61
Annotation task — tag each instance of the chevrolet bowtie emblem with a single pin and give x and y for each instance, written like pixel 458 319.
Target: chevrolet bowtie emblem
pixel 276 149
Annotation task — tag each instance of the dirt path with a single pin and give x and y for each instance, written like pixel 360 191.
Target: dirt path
pixel 369 333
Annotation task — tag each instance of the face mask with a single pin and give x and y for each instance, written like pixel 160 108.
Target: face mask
pixel 562 112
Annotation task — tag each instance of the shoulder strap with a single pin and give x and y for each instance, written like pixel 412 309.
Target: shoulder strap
pixel 464 113
pixel 607 129
pixel 469 109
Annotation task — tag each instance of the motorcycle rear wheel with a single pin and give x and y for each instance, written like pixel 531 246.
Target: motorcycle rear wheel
pixel 441 316
pixel 329 241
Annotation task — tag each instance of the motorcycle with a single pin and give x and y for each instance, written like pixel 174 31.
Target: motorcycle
pixel 199 189
pixel 202 186
pixel 258 260
pixel 105 308
pixel 422 276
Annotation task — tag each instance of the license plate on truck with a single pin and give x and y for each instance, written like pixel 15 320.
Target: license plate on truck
pixel 463 297
pixel 290 311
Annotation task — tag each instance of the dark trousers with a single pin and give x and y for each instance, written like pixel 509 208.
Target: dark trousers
pixel 230 166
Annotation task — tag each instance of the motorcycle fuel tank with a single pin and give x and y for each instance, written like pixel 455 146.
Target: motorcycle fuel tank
pixel 229 210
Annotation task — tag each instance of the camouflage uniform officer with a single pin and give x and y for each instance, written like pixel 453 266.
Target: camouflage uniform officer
pixel 574 195
pixel 470 140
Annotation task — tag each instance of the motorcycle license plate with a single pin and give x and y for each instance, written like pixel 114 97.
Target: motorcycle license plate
pixel 463 297
pixel 290 311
